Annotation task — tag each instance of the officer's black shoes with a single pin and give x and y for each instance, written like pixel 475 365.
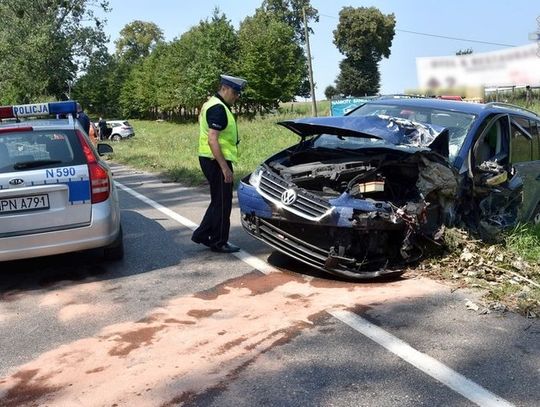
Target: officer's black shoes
pixel 226 248
pixel 200 241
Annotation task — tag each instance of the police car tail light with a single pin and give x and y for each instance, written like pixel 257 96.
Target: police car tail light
pixel 99 176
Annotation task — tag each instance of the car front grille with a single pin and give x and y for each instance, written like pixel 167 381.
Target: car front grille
pixel 287 243
pixel 307 205
pixel 310 254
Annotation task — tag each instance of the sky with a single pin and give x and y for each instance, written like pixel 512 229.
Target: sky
pixel 500 22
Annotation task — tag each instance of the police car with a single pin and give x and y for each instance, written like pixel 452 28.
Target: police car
pixel 56 194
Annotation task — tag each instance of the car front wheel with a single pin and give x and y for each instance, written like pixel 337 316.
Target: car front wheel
pixel 116 137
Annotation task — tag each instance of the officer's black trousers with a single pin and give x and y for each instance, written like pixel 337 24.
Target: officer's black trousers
pixel 215 225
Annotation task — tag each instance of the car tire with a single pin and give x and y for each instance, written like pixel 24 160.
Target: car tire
pixel 115 251
pixel 116 137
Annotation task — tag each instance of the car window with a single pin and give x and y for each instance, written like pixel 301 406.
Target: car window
pixel 126 123
pixel 27 150
pixel 520 140
pixel 457 123
pixel 493 144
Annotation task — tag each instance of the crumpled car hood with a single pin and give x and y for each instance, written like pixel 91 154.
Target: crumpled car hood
pixel 393 130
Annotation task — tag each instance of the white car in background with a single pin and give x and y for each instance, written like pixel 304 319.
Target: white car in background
pixel 119 130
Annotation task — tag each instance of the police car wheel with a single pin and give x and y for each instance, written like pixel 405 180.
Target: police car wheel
pixel 116 250
pixel 116 137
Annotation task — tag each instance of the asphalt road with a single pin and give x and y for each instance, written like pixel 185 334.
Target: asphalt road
pixel 176 324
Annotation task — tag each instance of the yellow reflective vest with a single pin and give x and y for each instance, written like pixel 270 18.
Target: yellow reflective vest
pixel 228 137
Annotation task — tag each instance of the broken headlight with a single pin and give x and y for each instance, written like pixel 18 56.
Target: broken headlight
pixel 255 177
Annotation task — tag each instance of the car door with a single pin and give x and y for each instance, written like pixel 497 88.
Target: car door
pixel 524 157
pixel 497 187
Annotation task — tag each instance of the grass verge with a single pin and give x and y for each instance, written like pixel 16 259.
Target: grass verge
pixel 171 148
pixel 508 274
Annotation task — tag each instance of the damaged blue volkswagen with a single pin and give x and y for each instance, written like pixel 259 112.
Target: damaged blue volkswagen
pixel 362 195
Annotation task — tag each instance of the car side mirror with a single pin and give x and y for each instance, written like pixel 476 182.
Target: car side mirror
pixel 103 149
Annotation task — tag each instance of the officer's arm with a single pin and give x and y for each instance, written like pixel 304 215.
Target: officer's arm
pixel 213 142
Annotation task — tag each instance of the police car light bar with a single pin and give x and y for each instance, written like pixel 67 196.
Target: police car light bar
pixel 38 109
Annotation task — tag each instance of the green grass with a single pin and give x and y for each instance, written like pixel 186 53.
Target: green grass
pixel 524 241
pixel 172 148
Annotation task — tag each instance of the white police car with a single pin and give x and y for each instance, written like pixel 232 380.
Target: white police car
pixel 56 194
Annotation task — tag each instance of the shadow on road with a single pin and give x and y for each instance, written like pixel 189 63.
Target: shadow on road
pixel 141 238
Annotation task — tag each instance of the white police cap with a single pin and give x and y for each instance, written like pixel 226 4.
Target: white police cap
pixel 234 82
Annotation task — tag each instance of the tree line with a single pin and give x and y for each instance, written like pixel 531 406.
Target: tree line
pixel 57 49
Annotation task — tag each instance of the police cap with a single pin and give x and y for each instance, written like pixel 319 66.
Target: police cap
pixel 234 82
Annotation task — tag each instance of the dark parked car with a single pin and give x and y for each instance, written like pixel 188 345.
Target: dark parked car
pixel 360 195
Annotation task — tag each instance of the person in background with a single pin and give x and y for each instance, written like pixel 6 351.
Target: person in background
pixel 93 133
pixel 83 118
pixel 102 124
pixel 218 140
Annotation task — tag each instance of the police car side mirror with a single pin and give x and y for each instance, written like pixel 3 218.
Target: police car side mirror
pixel 104 149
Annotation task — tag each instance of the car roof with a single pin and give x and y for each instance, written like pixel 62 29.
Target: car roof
pixel 465 107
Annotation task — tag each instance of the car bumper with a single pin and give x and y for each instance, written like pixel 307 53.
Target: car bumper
pixel 318 244
pixel 101 232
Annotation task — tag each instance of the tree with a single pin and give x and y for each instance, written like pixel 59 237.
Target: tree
pixel 203 53
pixel 358 78
pixel 44 44
pixel 364 36
pixel 179 76
pixel 291 13
pixel 137 40
pixel 330 92
pixel 271 61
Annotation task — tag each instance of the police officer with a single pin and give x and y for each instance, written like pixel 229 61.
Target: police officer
pixel 83 118
pixel 218 139
pixel 102 124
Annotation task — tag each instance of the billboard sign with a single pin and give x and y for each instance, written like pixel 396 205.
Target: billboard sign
pixel 508 67
pixel 340 107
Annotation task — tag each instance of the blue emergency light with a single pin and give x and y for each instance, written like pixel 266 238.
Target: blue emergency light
pixel 38 109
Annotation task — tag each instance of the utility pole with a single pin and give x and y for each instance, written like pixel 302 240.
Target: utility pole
pixel 310 69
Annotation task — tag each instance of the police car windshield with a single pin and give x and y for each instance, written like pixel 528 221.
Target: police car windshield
pixel 26 150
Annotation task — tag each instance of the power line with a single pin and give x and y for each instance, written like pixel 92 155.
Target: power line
pixel 456 38
pixel 440 36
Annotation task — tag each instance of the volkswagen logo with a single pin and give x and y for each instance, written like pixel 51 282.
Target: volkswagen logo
pixel 288 197
pixel 16 181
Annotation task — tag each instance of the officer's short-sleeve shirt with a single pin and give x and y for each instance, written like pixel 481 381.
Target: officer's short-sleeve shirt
pixel 216 116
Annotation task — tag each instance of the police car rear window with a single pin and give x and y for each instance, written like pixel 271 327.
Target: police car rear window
pixel 28 150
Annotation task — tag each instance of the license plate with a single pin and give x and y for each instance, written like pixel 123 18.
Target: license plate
pixel 24 203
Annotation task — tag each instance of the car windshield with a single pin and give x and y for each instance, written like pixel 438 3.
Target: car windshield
pixel 457 123
pixel 25 150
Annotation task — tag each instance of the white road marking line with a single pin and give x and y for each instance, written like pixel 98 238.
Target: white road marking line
pixel 247 258
pixel 457 382
pixel 166 211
